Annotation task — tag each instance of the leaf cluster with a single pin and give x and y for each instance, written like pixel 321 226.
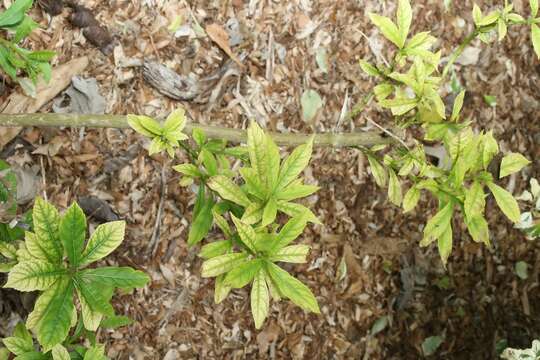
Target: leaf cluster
pixel 55 259
pixel 246 203
pixel 15 59
pixel 411 89
pixel 529 222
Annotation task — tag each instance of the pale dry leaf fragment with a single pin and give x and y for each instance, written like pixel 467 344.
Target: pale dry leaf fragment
pixel 469 56
pixel 311 103
pixel 221 38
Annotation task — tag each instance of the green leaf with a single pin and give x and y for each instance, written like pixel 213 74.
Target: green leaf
pixel 296 190
pixel 72 233
pixel 46 221
pixel 188 170
pixel 269 213
pixel 311 104
pixel 297 210
pixel 105 239
pixel 257 149
pixel 489 19
pixel 175 123
pixel 253 184
pixel 95 353
pixel 534 7
pixel 388 29
pixel 438 224
pixel 296 254
pixel 33 275
pixel 144 125
pixel 475 202
pixel 458 104
pixel 506 202
pixel 8 250
pixel 91 319
pixel 17 345
pixel 260 301
pixel 55 319
pixel 242 275
pixel 431 344
pixel 444 244
pixel 60 353
pixel 253 213
pixel 290 231
pixel 215 248
pixel 378 171
pixel 404 19
pixel 501 29
pixel 478 228
pixel 411 199
pixel 115 322
pixel 379 325
pixel 491 148
pixel 42 55
pixel 228 190
pixel 15 13
pixel 520 269
pixel 202 223
pixel 222 264
pixel 535 36
pixel 4 354
pixel 94 295
pixel 221 290
pixel 294 164
pixel 22 332
pixel 512 163
pixel 209 161
pixel 394 188
pixel 120 277
pixel 368 68
pixel 292 288
pixel 246 233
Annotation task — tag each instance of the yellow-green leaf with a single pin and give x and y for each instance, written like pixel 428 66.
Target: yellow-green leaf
pixel 394 189
pixel 60 353
pixel 475 200
pixel 444 244
pixel 91 319
pixel 506 202
pixel 378 171
pixel 228 190
pixel 296 190
pixel 512 163
pixel 411 199
pixel 292 254
pixel 491 148
pixel 46 220
pixel 294 210
pixel 501 28
pixel 269 213
pixel 105 239
pixel 242 275
pixel 478 228
pixel 257 149
pixel 176 121
pixel 388 29
pixel 294 164
pixel 18 346
pixel 293 289
pixel 437 225
pixel 534 7
pixel 368 68
pixel 221 290
pixel 404 19
pixel 72 233
pixel 187 169
pixel 260 301
pixel 458 104
pixel 253 184
pixel 119 277
pixel 246 233
pixel 136 123
pixel 253 213
pixel 33 275
pixel 202 223
pixel 222 264
pixel 55 320
pixel 535 37
pixel 215 248
pixel 290 231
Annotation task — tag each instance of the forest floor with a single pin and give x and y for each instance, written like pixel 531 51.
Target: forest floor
pixel 476 305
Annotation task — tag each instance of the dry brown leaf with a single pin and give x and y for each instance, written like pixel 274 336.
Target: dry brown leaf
pixel 221 38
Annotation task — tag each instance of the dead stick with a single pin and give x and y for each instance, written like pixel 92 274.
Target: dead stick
pixel 215 132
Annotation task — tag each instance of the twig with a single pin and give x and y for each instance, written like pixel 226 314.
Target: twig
pixel 388 132
pixel 214 132
pixel 154 241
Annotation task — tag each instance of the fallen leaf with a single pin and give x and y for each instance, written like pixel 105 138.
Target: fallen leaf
pixel 221 38
pixel 311 103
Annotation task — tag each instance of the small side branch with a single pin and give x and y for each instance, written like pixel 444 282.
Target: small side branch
pixel 235 135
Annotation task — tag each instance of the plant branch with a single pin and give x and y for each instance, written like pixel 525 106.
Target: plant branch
pixel 215 132
pixel 458 51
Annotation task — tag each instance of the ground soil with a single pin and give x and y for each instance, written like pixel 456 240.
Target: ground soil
pixel 476 303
